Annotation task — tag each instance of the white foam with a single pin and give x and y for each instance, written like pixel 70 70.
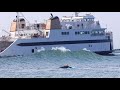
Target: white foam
pixel 85 49
pixel 63 49
pixel 42 49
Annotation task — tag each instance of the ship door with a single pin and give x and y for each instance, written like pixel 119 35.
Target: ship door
pixel 33 50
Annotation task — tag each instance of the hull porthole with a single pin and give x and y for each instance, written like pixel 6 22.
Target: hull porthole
pixel 32 50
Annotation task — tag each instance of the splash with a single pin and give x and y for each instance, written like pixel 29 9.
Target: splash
pixel 63 49
pixel 42 49
pixel 85 49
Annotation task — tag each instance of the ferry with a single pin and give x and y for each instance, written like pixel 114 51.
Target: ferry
pixel 74 33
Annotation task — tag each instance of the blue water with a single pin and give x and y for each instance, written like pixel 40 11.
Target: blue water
pixel 45 64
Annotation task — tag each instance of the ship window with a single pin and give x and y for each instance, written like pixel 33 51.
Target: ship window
pixel 75 32
pixel 21 35
pixel 23 26
pixel 82 25
pixel 78 25
pixel 67 33
pixel 70 27
pixel 85 32
pixel 64 33
pixel 109 37
pixel 32 50
pixel 38 26
pixel 46 33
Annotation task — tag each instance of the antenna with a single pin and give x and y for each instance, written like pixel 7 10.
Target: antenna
pixel 17 17
pixel 51 15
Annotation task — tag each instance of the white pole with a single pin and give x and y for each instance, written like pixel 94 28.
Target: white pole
pixel 17 17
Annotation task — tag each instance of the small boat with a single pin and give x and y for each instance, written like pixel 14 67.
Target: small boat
pixel 65 66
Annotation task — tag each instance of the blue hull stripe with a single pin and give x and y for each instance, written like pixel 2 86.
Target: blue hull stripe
pixel 63 42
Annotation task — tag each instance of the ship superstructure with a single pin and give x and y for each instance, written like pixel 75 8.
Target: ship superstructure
pixel 72 32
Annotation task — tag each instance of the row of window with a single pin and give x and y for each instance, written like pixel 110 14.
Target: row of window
pixel 90 45
pixel 65 33
pixel 85 32
pixel 77 20
pixel 26 34
pixel 97 33
pixel 82 32
pixel 76 33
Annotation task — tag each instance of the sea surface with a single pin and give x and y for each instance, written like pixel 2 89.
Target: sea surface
pixel 46 64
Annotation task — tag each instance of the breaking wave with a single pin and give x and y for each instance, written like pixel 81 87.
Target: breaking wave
pixel 42 49
pixel 61 53
pixel 63 49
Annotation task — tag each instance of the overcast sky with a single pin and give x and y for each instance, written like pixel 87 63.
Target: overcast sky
pixel 111 20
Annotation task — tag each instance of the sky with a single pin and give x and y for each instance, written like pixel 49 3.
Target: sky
pixel 111 20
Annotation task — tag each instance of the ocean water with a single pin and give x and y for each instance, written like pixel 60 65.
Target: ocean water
pixel 46 64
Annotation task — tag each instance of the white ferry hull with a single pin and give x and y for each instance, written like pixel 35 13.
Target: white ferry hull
pixel 25 47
